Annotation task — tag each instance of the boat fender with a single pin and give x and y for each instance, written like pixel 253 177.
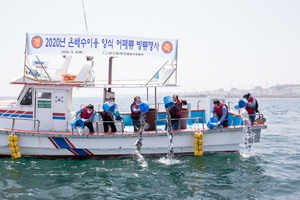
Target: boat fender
pixel 17 149
pixel 198 144
pixel 19 155
pixel 11 144
pixel 12 150
pixel 14 146
pixel 11 138
pixel 14 156
pixel 15 137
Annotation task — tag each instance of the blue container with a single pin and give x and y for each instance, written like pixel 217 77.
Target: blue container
pixel 144 106
pixel 168 101
pixel 108 107
pixel 117 114
pixel 212 122
pixel 240 104
pixel 96 118
pixel 77 122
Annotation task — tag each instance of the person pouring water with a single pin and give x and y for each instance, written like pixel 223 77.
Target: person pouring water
pixel 220 111
pixel 108 116
pixel 87 115
pixel 136 113
pixel 251 106
pixel 175 111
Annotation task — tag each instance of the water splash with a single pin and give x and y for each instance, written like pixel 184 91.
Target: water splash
pixel 167 161
pixel 138 144
pixel 170 154
pixel 248 134
pixel 80 130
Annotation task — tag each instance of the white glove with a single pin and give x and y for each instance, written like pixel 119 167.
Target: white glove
pixel 219 123
pixel 83 119
pixel 211 115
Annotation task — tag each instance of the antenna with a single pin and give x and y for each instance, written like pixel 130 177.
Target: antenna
pixel 86 26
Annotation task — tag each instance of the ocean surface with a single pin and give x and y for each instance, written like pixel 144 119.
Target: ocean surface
pixel 271 171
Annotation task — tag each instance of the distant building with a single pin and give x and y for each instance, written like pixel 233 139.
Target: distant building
pixel 233 90
pixel 258 90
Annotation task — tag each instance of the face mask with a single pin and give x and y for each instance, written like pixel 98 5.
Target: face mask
pixel 89 111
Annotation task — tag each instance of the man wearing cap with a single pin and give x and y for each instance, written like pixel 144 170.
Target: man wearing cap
pixel 251 105
pixel 221 111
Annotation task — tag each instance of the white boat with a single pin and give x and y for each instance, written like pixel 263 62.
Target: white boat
pixel 41 115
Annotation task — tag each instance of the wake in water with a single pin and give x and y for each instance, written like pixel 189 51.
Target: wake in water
pixel 138 144
pixel 248 134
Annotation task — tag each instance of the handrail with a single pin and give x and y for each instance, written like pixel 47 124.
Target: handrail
pixel 198 104
pixel 5 105
pixel 158 105
pixel 14 119
pixel 97 126
pixel 229 104
pixel 196 119
pixel 233 116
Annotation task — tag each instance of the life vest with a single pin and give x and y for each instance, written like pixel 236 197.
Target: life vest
pixel 106 116
pixel 85 114
pixel 133 114
pixel 249 109
pixel 175 110
pixel 219 111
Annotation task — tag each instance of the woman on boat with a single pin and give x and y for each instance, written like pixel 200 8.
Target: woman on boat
pixel 87 115
pixel 220 110
pixel 136 113
pixel 108 117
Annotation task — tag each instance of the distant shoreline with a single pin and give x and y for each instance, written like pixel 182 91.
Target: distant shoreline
pixel 238 96
pixel 3 98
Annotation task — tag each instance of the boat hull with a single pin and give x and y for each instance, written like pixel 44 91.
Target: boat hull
pixel 118 145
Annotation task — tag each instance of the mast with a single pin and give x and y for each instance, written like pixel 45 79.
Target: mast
pixel 86 26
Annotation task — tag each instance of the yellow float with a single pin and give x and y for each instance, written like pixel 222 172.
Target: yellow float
pixel 14 146
pixel 198 144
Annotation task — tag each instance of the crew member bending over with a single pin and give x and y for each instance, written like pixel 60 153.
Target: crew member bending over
pixel 220 111
pixel 87 115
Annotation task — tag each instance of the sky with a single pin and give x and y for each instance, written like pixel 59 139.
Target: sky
pixel 221 44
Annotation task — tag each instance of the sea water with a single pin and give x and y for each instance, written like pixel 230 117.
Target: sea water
pixel 271 172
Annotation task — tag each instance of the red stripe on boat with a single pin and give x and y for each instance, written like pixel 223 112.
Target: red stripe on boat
pixel 88 151
pixel 71 150
pixel 58 114
pixel 54 143
pixel 70 143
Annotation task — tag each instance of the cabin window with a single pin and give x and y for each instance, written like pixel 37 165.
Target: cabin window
pixel 44 95
pixel 27 99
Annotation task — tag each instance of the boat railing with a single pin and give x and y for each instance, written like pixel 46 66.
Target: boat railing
pixel 260 115
pixel 5 105
pixel 97 125
pixel 14 120
pixel 159 104
pixel 198 104
pixel 189 118
pixel 229 102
